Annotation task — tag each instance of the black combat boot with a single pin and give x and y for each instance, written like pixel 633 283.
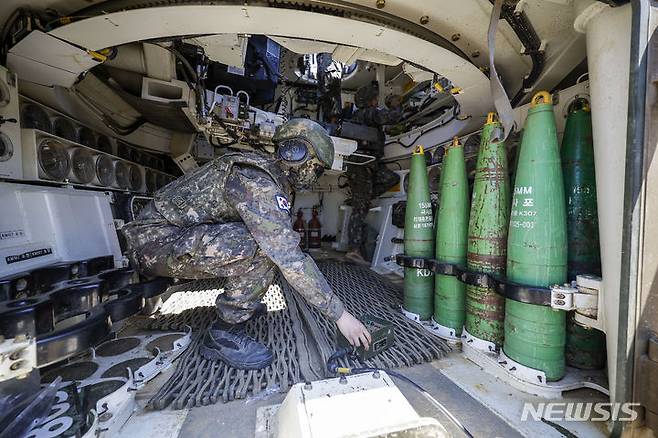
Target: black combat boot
pixel 230 344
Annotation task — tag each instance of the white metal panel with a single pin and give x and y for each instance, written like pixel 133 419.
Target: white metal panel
pixel 46 225
pixel 608 47
pixel 302 46
pixel 465 24
pixel 362 405
pixel 229 49
pixel 46 60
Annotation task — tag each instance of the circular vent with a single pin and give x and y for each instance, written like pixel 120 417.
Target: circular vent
pixel 6 148
pixel 151 180
pixel 53 159
pixel 87 137
pixel 121 174
pixel 34 117
pixel 135 177
pixel 104 170
pixel 64 128
pixel 82 163
pixel 104 144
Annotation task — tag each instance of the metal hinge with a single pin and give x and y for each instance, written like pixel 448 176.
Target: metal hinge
pixel 648 383
pixel 582 296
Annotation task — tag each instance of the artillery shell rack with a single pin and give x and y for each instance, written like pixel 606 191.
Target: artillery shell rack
pixel 580 296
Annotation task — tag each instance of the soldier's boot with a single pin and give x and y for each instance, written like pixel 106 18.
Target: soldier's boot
pixel 236 350
pixel 230 344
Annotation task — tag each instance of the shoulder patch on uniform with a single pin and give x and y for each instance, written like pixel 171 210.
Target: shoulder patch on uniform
pixel 283 203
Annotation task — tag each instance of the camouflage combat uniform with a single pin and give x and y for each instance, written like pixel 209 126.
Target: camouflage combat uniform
pixel 369 181
pixel 230 218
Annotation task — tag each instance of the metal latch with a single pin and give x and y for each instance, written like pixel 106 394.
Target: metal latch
pixel 582 296
pixel 562 297
pixel 648 383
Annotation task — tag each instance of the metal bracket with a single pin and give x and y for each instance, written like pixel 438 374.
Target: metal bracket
pixel 562 296
pixel 369 159
pixel 583 297
pixel 590 293
pixel 18 356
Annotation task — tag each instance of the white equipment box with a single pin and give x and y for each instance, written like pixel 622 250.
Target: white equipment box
pixel 41 226
pixel 365 405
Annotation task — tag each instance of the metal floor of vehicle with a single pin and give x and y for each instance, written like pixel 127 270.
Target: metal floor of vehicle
pixel 487 407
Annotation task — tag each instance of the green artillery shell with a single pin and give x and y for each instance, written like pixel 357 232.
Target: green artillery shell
pixel 537 245
pixel 418 238
pixel 451 240
pixel 487 236
pixel 585 347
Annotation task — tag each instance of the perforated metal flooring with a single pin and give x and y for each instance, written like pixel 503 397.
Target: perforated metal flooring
pixel 298 335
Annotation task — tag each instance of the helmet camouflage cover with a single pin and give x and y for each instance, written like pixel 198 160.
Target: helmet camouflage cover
pixel 310 132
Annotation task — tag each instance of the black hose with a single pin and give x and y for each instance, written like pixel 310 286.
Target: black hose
pixel 420 389
pixel 4 49
pixel 347 352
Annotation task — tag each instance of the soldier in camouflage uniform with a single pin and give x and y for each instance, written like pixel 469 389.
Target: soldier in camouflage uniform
pixel 369 181
pixel 232 218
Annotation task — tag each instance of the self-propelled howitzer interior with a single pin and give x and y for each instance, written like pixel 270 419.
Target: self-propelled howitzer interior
pixel 322 218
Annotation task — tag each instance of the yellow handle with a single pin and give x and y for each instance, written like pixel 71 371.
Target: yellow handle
pixel 454 144
pixel 542 94
pixel 491 118
pixel 97 56
pixel 420 150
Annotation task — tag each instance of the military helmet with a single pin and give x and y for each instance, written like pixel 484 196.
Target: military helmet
pixel 298 138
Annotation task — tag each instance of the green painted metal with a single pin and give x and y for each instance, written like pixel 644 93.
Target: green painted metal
pixel 580 190
pixel 537 245
pixel 451 238
pixel 487 235
pixel 418 238
pixel 585 346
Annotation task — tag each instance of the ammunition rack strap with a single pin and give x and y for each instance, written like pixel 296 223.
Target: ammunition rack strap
pixel 540 296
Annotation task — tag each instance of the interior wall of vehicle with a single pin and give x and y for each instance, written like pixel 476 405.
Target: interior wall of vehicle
pixel 464 26
pixel 647 302
pixel 69 102
pixel 327 197
pixel 568 28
